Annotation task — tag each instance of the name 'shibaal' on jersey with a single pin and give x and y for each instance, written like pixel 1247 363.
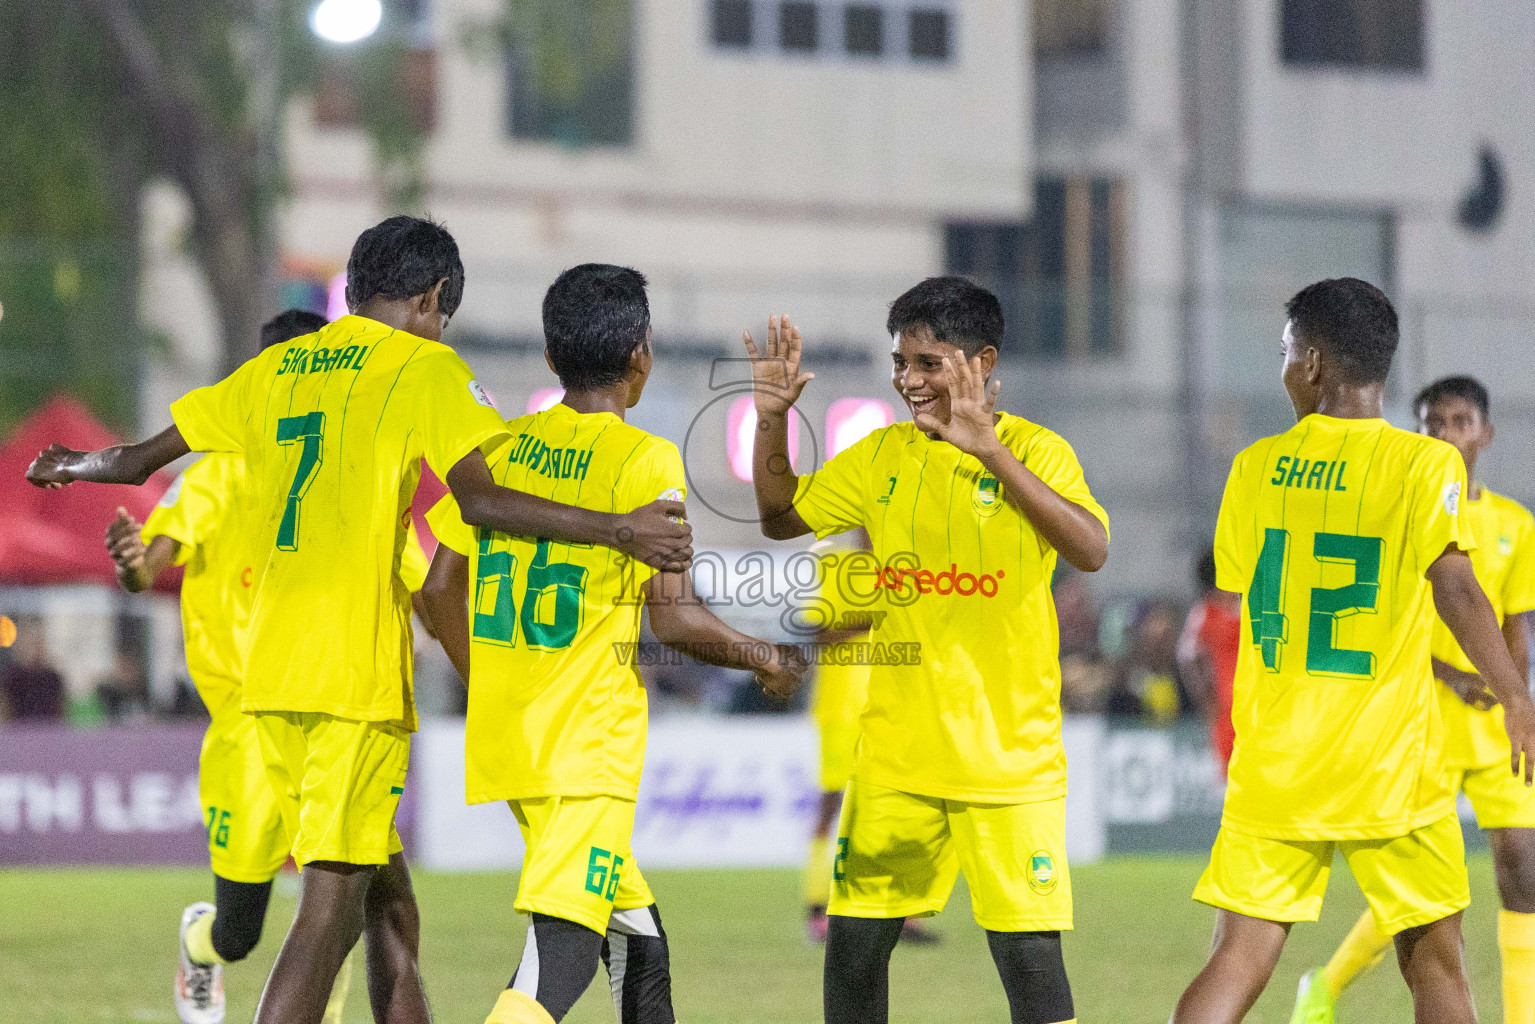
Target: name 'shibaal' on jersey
pixel 333 427
pixel 1504 560
pixel 1327 530
pixel 556 703
pixel 966 578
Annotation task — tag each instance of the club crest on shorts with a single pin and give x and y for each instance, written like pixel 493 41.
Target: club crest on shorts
pixel 987 497
pixel 1042 877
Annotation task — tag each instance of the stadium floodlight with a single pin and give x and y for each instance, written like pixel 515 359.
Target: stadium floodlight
pixel 346 21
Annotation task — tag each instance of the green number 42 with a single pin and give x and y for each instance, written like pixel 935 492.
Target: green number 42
pixel 1266 601
pixel 310 431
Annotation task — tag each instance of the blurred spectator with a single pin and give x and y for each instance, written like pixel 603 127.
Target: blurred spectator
pixel 1085 683
pixel 1207 655
pixel 124 692
pixel 1076 615
pixel 1147 686
pixel 30 689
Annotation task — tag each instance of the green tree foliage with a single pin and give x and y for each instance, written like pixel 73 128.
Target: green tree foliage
pixel 99 96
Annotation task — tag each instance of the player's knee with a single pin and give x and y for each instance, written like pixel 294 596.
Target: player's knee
pixel 1513 858
pixel 241 914
pixel 235 934
pixel 558 964
pixel 858 947
pixel 1034 975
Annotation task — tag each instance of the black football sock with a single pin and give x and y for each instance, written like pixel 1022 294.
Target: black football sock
pixel 856 988
pixel 241 913
pixel 1034 975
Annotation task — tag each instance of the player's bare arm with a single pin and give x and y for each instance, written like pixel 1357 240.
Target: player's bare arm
pixel 445 596
pixel 777 384
pixel 138 564
pixel 1468 686
pixel 682 622
pixel 1459 599
pixel 656 534
pixel 971 427
pixel 56 466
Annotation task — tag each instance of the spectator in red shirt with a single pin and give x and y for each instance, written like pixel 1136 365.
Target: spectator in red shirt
pixel 1207 655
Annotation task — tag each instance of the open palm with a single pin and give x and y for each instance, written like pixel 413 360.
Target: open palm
pixel 972 407
pixel 776 377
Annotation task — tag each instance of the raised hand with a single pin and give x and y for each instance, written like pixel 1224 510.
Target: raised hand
pixel 776 378
pixel 125 543
pixel 781 678
pixel 52 467
pixel 971 426
pixel 657 534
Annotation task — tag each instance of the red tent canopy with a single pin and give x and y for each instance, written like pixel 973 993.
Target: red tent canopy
pixel 57 536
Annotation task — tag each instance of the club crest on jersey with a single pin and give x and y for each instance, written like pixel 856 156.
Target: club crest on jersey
pixel 987 497
pixel 1505 544
pixel 1452 498
pixel 1042 877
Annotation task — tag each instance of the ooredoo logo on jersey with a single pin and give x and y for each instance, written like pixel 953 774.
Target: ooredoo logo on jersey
pixel 949 581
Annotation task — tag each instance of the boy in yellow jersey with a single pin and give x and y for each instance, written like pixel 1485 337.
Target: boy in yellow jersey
pixel 198 524
pixel 333 428
pixel 1457 410
pixel 544 633
pixel 841 687
pixel 1344 534
pixel 960 764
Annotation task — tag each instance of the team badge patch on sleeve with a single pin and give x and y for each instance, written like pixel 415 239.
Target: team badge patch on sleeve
pixel 1452 498
pixel 480 395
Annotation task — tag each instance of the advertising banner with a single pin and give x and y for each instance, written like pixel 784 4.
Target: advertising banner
pixel 101 796
pixel 716 792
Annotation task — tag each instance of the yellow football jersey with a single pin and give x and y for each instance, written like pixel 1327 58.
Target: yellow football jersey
pixel 556 703
pixel 1327 530
pixel 333 427
pixel 964 692
pixel 203 512
pixel 842 670
pixel 1504 560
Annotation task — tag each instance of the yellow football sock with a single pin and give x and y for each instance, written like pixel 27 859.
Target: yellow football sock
pixel 338 992
pixel 200 941
pixel 818 872
pixel 1516 941
pixel 518 1008
pixel 1361 950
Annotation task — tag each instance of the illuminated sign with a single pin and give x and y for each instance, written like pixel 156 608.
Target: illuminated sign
pixel 544 398
pixel 850 420
pixel 741 427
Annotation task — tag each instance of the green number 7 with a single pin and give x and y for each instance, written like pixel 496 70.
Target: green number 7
pixel 309 429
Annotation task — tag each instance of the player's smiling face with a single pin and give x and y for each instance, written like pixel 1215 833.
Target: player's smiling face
pixel 916 370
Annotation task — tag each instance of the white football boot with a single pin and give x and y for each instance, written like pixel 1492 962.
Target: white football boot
pixel 199 987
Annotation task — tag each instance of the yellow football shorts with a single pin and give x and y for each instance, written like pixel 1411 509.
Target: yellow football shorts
pixel 246 838
pixel 1499 797
pixel 898 855
pixel 841 691
pixel 1408 881
pixel 579 866
pixel 337 782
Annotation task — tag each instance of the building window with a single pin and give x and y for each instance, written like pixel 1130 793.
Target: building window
pixel 797 25
pixel 1070 28
pixel 928 34
pixel 571 70
pixel 863 30
pixel 1060 277
pixel 1379 35
pixel 732 23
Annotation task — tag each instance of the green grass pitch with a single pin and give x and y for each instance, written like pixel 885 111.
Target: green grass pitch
pixel 87 946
